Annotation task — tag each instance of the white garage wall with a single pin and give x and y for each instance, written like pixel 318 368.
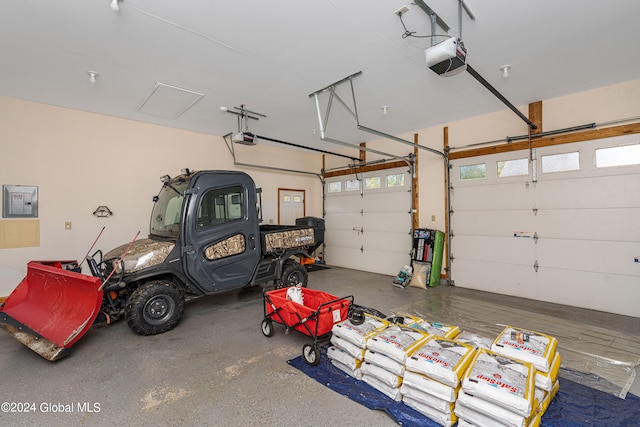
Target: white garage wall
pixel 81 160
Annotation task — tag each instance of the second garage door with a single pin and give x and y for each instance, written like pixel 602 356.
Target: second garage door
pixel 561 228
pixel 368 221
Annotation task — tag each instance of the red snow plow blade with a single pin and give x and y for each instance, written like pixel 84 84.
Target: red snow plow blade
pixel 51 308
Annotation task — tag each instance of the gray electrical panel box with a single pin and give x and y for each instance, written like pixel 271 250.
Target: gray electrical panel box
pixel 19 201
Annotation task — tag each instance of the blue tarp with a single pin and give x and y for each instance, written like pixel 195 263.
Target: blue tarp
pixel 575 405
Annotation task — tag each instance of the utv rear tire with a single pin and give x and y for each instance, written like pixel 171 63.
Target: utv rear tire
pixel 154 308
pixel 293 273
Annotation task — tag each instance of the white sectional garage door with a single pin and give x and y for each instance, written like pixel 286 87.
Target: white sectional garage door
pixel 368 225
pixel 567 231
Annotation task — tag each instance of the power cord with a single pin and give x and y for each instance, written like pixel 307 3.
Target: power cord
pixel 408 33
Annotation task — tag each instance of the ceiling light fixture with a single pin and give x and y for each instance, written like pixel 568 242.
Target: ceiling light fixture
pixel 115 6
pixel 505 71
pixel 92 76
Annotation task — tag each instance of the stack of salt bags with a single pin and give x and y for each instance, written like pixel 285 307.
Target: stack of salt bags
pixel 385 357
pixel 432 377
pixel 498 391
pixel 350 341
pixel 536 348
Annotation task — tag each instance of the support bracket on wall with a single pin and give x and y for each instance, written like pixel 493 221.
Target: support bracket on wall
pixel 102 212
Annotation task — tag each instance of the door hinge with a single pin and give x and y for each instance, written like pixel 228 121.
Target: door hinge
pixel 362 248
pixel 187 250
pixel 193 190
pixel 535 237
pixel 536 266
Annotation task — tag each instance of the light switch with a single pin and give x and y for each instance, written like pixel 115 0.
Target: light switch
pixel 433 217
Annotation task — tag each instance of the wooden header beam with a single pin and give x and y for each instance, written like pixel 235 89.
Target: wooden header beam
pixel 549 141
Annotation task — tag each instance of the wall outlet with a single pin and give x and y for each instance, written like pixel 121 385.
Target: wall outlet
pixel 67 225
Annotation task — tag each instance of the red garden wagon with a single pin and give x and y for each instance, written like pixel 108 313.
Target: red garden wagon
pixel 315 318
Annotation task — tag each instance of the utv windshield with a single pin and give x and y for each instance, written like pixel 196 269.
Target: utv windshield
pixel 165 218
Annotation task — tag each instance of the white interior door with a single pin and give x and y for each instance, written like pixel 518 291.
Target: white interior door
pixel 566 230
pixel 368 225
pixel 291 206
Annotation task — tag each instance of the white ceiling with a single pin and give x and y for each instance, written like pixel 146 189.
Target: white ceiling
pixel 271 55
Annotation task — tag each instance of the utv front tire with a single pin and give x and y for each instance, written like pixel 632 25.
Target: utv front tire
pixel 293 273
pixel 154 308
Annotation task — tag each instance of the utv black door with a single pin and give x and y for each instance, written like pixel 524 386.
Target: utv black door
pixel 221 231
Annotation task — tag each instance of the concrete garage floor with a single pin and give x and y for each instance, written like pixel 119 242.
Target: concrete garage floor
pixel 217 369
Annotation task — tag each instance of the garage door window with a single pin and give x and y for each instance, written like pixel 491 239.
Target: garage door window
pixel 352 185
pixel 395 180
pixel 516 167
pixel 372 183
pixel 625 155
pixel 561 162
pixel 478 171
pixel 334 187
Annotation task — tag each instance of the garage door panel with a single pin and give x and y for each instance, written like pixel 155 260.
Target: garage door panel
pixel 334 238
pixel 386 222
pixel 339 256
pixel 493 223
pixel 500 250
pixel 570 224
pixel 607 292
pixel 492 197
pixel 369 260
pixel 383 261
pixel 386 202
pixel 343 221
pixel 388 241
pixel 590 256
pixel 495 277
pixel 616 191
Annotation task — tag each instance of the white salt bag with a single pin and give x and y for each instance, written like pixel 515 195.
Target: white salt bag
pixel 359 334
pixel 442 359
pixel 335 353
pixel 355 373
pixel 501 380
pixel 428 399
pixel 355 351
pixel 545 380
pixel 396 341
pixel 475 340
pixel 390 379
pixel 430 386
pixel 384 362
pixel 392 392
pixel 530 346
pixel 545 397
pixel 495 414
pixel 442 418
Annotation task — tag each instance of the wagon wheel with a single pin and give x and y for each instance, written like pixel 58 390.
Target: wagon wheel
pixel 311 354
pixel 267 328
